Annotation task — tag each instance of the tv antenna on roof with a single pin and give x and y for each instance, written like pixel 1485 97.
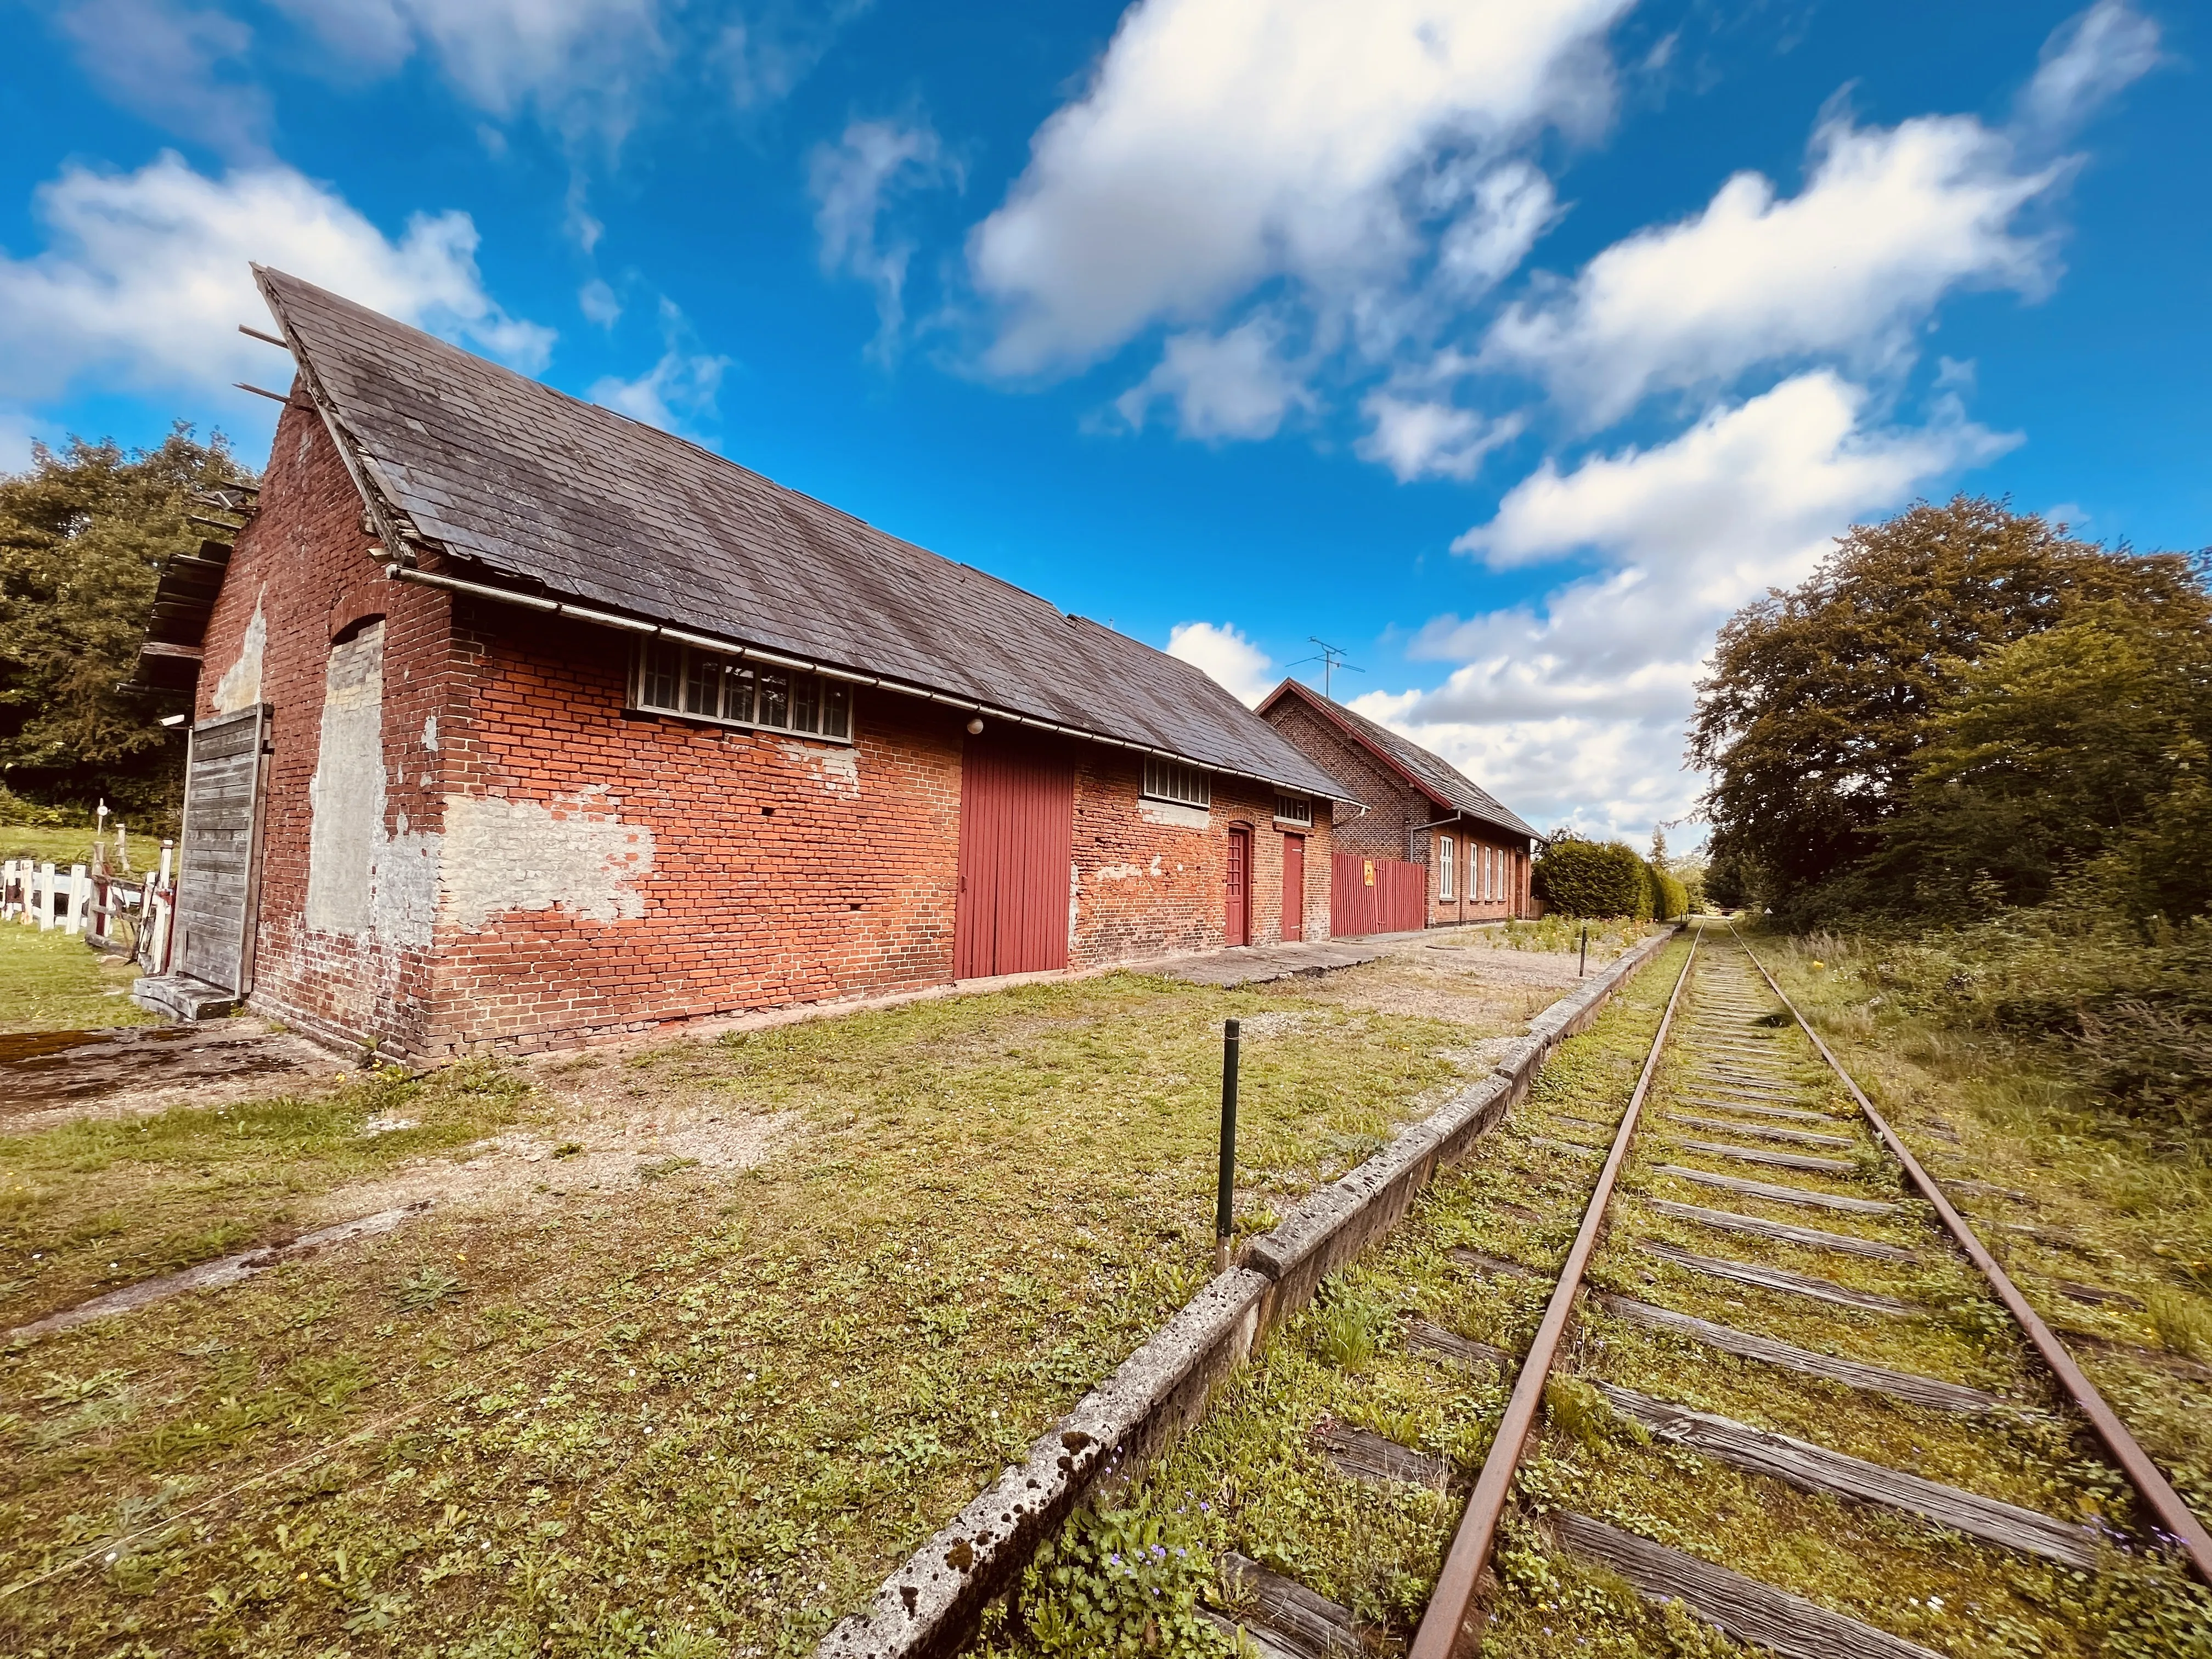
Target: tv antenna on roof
pixel 1331 657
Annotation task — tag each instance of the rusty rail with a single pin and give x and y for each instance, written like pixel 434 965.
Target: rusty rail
pixel 2172 1515
pixel 1438 1636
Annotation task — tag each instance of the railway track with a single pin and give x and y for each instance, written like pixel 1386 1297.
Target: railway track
pixel 1763 1185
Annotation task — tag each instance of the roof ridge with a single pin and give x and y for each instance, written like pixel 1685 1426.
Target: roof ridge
pixel 1392 744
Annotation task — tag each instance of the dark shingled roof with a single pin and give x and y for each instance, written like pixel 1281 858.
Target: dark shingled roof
pixel 1434 776
pixel 564 497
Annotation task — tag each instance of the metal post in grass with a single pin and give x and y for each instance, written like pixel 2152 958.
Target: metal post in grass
pixel 1581 963
pixel 1224 1219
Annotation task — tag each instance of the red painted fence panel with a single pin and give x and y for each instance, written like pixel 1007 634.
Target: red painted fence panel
pixel 1017 840
pixel 1375 895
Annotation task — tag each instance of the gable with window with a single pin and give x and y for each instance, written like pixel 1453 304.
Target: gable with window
pixel 708 685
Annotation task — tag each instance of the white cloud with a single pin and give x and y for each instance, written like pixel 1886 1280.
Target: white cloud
pixel 2086 60
pixel 1889 221
pixel 852 183
pixel 599 303
pixel 174 66
pixel 762 56
pixel 144 279
pixel 1681 534
pixel 1229 386
pixel 683 382
pixel 1222 142
pixel 1245 671
pixel 1419 438
pixel 1510 207
pixel 581 61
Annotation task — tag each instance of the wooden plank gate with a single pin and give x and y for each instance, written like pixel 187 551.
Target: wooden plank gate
pixel 1375 895
pixel 220 850
pixel 1017 843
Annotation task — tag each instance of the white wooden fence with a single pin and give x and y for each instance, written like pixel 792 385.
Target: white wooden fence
pixel 110 912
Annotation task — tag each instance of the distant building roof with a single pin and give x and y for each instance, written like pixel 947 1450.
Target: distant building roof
pixel 1435 777
pixel 561 497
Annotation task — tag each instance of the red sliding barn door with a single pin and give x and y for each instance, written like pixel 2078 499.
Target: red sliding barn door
pixel 1017 839
pixel 1294 889
pixel 1237 919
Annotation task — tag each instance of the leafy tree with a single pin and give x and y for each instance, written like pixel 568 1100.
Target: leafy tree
pixel 2089 741
pixel 1812 719
pixel 82 536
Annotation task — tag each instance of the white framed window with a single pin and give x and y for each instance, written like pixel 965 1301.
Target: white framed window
pixel 1447 861
pixel 1293 809
pixel 706 685
pixel 1186 786
pixel 1489 874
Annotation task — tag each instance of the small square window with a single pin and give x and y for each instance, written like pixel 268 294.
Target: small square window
pixel 1293 809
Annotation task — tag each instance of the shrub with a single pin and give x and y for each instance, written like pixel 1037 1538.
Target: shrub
pixel 1593 879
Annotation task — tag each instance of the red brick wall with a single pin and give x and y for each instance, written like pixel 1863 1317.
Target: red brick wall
pixel 762 869
pixel 303 563
pixel 1467 840
pixel 1150 877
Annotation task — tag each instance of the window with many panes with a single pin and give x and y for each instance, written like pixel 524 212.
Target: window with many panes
pixel 1186 786
pixel 1293 809
pixel 706 685
pixel 1447 861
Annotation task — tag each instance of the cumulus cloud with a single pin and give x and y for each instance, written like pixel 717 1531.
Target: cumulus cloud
pixel 1422 437
pixel 1234 385
pixel 2086 60
pixel 1889 221
pixel 1679 535
pixel 680 387
pixel 174 65
pixel 144 279
pixel 1222 142
pixel 854 183
pixel 1247 673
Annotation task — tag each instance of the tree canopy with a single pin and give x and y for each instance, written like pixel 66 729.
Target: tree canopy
pixel 82 535
pixel 1821 700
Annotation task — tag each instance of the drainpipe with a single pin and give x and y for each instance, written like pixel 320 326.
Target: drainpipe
pixel 1433 823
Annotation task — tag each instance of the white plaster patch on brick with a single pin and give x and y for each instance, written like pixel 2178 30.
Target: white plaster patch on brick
pixel 404 885
pixel 1174 816
pixel 346 794
pixel 1119 871
pixel 839 769
pixel 240 685
pixel 572 851
pixel 430 734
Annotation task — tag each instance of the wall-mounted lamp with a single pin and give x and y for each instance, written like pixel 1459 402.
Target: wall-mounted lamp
pixel 975 727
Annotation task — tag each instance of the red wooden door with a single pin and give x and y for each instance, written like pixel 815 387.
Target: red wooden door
pixel 1236 920
pixel 1294 888
pixel 1017 839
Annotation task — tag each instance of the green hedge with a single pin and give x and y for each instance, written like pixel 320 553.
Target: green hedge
pixel 1579 878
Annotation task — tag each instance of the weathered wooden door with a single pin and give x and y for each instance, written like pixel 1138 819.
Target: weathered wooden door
pixel 1017 842
pixel 219 850
pixel 1294 888
pixel 1237 918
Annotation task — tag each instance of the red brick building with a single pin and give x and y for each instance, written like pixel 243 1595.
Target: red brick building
pixel 517 722
pixel 1439 847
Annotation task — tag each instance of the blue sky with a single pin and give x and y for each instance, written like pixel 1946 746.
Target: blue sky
pixel 1509 345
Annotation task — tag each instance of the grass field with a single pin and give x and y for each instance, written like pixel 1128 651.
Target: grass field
pixel 699 1406
pixel 50 982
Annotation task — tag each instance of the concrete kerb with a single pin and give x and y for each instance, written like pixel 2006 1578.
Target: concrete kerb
pixel 931 1605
